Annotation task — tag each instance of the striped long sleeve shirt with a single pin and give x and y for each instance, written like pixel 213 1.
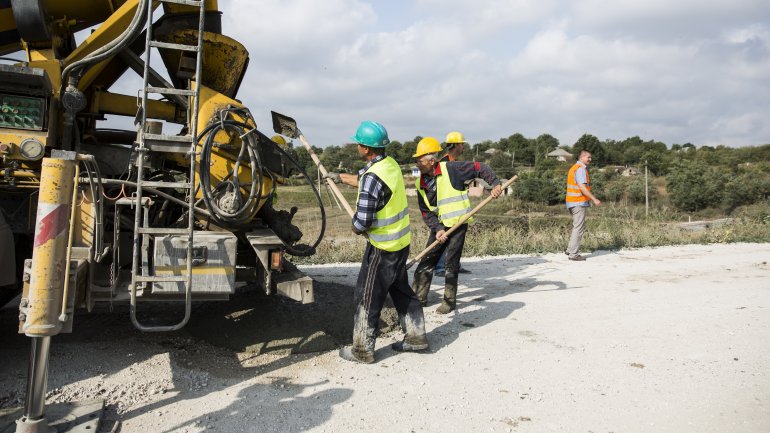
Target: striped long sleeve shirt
pixel 373 194
pixel 459 172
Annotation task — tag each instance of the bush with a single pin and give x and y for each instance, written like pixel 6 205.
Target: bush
pixel 539 190
pixel 613 191
pixel 693 185
pixel 635 190
pixel 746 189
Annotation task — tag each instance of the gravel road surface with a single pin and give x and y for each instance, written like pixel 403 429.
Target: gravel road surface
pixel 672 339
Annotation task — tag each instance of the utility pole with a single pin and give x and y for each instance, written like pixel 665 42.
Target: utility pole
pixel 646 192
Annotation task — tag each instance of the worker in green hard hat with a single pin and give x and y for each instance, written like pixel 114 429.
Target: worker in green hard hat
pixel 382 214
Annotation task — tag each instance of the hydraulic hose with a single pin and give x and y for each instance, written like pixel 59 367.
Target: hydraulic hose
pixel 114 46
pixel 307 250
pixel 238 213
pixel 244 212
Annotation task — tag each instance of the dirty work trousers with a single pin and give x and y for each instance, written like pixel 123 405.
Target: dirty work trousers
pixel 578 227
pixel 384 273
pixel 423 275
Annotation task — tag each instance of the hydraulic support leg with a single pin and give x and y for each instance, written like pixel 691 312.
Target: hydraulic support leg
pixel 46 286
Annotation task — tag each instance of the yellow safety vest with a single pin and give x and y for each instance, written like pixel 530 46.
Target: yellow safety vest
pixel 451 203
pixel 574 195
pixel 390 229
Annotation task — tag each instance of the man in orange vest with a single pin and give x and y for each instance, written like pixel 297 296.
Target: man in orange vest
pixel 578 199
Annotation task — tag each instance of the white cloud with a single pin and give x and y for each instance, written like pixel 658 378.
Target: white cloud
pixel 752 33
pixel 672 71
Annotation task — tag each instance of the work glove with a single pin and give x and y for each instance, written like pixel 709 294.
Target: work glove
pixel 335 177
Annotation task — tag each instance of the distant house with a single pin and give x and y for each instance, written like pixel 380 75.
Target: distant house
pixel 560 155
pixel 492 151
pixel 477 186
pixel 624 170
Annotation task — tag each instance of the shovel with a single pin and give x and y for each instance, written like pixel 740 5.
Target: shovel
pixel 459 223
pixel 287 126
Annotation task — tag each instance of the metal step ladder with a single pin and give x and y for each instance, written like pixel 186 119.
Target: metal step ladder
pixel 149 142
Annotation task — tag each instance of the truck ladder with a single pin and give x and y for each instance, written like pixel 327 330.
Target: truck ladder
pixel 186 144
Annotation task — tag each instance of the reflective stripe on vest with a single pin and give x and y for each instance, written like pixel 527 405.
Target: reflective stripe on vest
pixel 574 195
pixel 452 203
pixel 390 229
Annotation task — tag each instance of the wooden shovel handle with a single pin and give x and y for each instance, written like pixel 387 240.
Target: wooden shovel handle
pixel 323 171
pixel 459 223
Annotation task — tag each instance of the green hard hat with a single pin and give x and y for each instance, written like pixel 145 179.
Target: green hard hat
pixel 371 134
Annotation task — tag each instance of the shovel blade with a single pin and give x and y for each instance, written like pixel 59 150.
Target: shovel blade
pixel 284 125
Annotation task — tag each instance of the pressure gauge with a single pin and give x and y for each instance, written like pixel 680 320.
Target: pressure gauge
pixel 31 149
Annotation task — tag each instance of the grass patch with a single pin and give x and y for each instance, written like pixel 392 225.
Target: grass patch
pixel 509 226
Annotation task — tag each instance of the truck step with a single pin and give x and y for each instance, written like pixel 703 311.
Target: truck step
pixel 163 231
pixel 175 185
pixel 171 91
pixel 161 279
pixel 197 3
pixel 168 143
pixel 172 46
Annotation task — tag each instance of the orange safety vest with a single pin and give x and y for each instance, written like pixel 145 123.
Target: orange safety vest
pixel 574 195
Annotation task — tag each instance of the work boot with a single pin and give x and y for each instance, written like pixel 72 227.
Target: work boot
pixel 347 353
pixel 421 286
pixel 404 346
pixel 415 340
pixel 450 298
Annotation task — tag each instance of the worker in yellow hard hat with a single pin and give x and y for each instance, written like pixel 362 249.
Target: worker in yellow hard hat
pixel 454 148
pixel 277 139
pixel 455 145
pixel 443 200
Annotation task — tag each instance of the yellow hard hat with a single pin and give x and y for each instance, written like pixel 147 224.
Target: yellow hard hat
pixel 427 145
pixel 455 137
pixel 279 140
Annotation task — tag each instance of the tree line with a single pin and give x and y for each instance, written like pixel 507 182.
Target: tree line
pixel 695 178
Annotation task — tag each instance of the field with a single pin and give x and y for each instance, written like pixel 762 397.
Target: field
pixel 509 226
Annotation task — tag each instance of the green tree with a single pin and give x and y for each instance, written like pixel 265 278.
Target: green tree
pixel 655 160
pixel 693 185
pixel 747 188
pixel 478 149
pixel 502 164
pixel 635 190
pixel 544 144
pixel 305 161
pixel 544 190
pixel 522 149
pixel 592 144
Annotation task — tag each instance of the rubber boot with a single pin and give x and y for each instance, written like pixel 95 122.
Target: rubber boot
pixel 349 353
pixel 450 297
pixel 421 286
pixel 406 346
pixel 415 339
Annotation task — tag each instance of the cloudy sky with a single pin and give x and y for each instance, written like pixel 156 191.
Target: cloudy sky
pixel 672 70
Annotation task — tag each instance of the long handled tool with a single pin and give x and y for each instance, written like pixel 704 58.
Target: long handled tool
pixel 459 223
pixel 287 126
